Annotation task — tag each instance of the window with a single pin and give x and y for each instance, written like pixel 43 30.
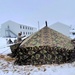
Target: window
pixel 24 33
pixel 32 28
pixel 73 33
pixel 23 27
pixel 28 32
pixel 26 27
pixel 20 26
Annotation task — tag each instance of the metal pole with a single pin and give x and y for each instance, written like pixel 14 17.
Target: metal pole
pixel 38 25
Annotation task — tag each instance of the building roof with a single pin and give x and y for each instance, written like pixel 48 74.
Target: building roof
pixel 61 28
pixel 47 37
pixel 10 21
pixel 59 23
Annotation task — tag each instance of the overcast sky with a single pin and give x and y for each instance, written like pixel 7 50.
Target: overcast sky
pixel 29 12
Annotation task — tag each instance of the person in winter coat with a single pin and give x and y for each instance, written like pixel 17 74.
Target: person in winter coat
pixel 19 39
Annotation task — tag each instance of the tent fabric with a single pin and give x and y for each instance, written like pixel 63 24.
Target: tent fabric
pixel 48 37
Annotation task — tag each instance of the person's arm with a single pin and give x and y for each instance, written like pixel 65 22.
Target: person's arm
pixel 22 36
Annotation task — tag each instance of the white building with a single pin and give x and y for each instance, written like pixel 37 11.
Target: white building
pixel 11 29
pixel 0 31
pixel 72 33
pixel 62 28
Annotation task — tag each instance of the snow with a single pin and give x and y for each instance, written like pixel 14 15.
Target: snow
pixel 4 46
pixel 7 66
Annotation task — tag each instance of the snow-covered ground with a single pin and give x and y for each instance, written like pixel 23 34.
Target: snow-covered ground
pixel 4 46
pixel 7 66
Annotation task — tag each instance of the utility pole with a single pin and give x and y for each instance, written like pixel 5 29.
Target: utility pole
pixel 38 26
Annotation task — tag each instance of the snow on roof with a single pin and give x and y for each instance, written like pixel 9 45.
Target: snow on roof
pixel 10 21
pixel 59 23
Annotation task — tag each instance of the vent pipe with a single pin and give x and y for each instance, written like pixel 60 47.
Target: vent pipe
pixel 46 23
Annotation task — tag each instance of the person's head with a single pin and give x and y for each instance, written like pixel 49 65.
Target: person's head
pixel 19 34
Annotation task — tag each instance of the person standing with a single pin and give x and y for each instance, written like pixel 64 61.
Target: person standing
pixel 19 39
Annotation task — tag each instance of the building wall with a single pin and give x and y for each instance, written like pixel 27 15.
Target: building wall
pixel 0 32
pixel 62 28
pixel 72 33
pixel 16 28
